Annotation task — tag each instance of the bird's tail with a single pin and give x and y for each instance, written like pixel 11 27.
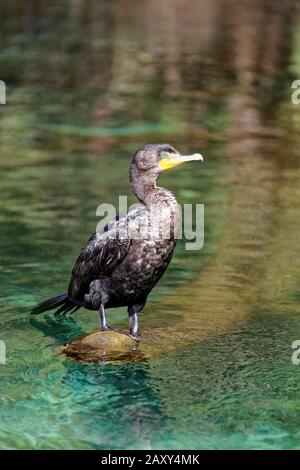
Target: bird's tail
pixel 62 303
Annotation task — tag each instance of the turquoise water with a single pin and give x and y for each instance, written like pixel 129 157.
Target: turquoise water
pixel 87 85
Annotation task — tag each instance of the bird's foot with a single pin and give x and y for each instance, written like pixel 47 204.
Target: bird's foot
pixel 106 328
pixel 113 330
pixel 132 335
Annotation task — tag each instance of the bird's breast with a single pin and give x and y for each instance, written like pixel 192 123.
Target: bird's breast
pixel 157 223
pixel 142 268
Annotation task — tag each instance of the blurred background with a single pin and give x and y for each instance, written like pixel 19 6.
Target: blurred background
pixel 88 82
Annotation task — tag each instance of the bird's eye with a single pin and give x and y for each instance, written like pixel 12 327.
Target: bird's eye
pixel 165 154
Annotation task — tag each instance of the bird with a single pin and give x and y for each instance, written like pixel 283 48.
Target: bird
pixel 120 264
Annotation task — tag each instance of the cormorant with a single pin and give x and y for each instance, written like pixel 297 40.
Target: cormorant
pixel 120 266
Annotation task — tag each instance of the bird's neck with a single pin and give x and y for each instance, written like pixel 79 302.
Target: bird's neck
pixel 162 207
pixel 149 194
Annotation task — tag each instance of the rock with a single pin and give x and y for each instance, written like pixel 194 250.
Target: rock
pixel 108 346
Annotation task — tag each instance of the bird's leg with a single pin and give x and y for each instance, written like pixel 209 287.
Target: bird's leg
pixel 103 325
pixel 133 312
pixel 133 324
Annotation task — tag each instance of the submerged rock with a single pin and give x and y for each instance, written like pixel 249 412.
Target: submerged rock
pixel 108 346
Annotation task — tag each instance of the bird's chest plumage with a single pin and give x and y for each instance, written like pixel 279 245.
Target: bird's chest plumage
pixel 140 271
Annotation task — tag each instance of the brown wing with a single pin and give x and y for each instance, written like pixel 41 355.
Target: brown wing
pixel 98 259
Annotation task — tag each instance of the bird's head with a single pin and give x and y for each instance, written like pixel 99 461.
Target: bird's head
pixel 149 162
pixel 155 158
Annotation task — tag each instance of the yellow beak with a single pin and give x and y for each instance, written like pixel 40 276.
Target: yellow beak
pixel 174 160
